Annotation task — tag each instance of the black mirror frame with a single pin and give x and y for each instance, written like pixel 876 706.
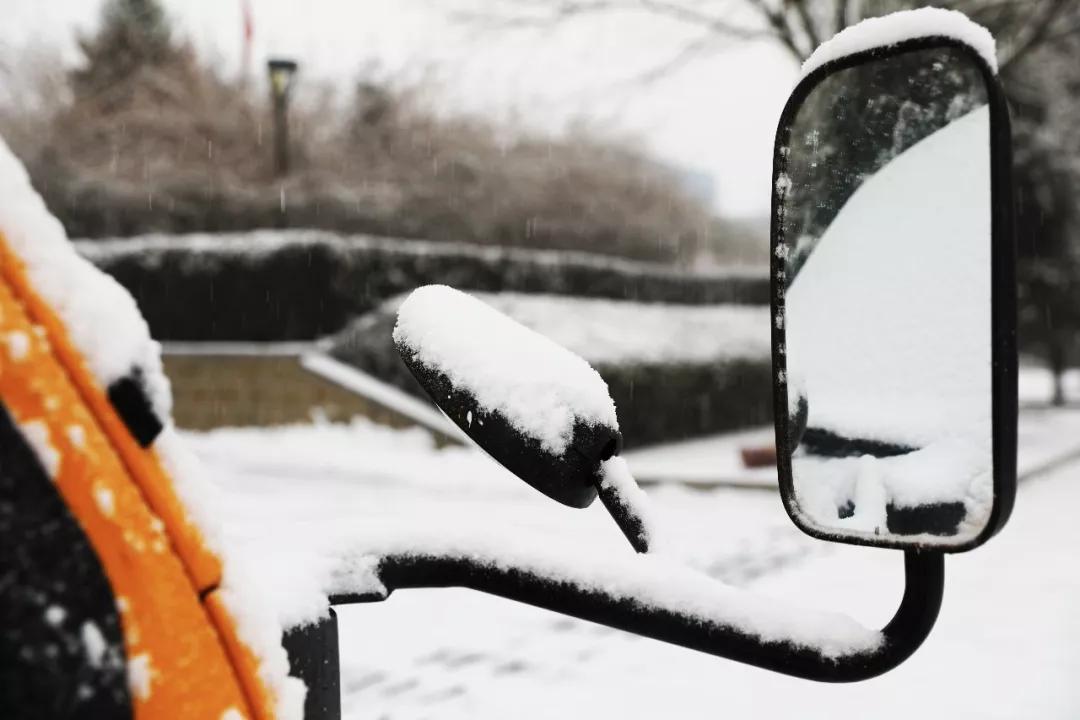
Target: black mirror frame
pixel 569 479
pixel 1003 293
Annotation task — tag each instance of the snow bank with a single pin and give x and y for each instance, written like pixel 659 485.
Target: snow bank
pixel 104 324
pixel 542 388
pixel 904 25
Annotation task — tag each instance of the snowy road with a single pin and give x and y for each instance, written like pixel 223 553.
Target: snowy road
pixel 1007 644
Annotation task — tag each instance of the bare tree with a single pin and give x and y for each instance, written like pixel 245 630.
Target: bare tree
pixel 1038 43
pixel 799 26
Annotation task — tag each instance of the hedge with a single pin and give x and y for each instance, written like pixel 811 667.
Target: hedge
pixel 304 284
pixel 656 402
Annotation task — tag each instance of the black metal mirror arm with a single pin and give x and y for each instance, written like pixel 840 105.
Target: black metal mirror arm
pixel 924 585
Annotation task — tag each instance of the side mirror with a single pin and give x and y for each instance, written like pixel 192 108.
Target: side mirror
pixel 534 406
pixel 894 299
pixel 895 385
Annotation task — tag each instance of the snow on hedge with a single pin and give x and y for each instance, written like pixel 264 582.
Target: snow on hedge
pixel 615 332
pixel 540 387
pixel 104 324
pixel 625 332
pixel 349 275
pixel 260 243
pixel 904 25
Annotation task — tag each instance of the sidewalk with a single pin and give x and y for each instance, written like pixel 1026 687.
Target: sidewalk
pixel 1045 437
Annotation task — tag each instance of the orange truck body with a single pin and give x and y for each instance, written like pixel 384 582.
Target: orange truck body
pixel 183 656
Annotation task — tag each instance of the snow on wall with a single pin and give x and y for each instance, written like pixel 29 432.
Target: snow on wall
pixel 904 25
pixel 104 324
pixel 542 388
pixel 888 325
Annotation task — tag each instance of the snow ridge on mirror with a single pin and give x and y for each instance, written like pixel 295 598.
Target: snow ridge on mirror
pixel 542 388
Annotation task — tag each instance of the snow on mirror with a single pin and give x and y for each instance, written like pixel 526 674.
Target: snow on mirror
pixel 530 403
pixel 883 255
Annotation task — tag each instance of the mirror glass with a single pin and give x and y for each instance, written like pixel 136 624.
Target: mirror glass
pixel 884 197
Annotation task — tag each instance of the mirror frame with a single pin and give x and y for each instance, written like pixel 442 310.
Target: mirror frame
pixel 1003 294
pixel 569 478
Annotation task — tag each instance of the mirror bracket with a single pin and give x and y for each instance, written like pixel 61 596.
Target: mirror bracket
pixel 924 584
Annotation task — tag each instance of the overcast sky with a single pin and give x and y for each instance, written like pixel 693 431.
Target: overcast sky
pixel 716 116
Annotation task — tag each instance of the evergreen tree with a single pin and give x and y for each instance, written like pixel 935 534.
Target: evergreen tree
pixel 1044 93
pixel 133 34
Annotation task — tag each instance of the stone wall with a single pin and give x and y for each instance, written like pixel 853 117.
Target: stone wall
pixel 260 389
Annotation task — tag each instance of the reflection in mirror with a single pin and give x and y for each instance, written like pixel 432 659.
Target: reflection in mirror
pixel 886 224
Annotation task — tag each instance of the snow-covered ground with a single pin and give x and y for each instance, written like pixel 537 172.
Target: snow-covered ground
pixel 1036 386
pixel 704 461
pixel 1007 644
pixel 1045 436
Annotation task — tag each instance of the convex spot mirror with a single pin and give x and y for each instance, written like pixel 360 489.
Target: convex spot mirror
pixel 894 299
pixel 534 406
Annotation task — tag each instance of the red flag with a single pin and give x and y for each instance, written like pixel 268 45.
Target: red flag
pixel 249 21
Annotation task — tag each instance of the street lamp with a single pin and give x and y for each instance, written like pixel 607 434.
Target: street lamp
pixel 282 74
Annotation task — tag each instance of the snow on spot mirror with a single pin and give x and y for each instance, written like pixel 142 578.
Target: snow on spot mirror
pixel 884 314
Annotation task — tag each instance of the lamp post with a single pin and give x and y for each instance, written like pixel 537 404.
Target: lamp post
pixel 282 73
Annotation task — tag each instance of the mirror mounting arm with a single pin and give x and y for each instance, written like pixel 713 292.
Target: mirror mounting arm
pixel 924 585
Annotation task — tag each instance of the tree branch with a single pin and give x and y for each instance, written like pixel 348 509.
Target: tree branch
pixel 840 19
pixel 547 14
pixel 702 46
pixel 686 14
pixel 807 23
pixel 777 20
pixel 1041 27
